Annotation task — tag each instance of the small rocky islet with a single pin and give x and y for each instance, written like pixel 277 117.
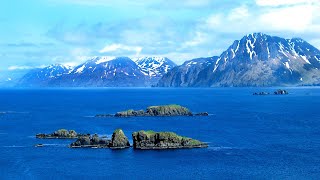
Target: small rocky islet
pixel 163 110
pixel 61 134
pixel 277 92
pixel 141 140
pixel 118 141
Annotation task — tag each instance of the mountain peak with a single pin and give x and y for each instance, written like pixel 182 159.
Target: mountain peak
pixel 154 66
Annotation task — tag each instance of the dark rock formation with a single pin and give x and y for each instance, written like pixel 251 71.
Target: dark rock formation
pixel 261 93
pixel 103 115
pixel 163 140
pixel 166 110
pixel 119 140
pixel 277 92
pixel 202 114
pixel 281 92
pixel 91 141
pixel 61 134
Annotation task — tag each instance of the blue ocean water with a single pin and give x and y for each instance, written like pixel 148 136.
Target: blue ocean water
pixel 250 137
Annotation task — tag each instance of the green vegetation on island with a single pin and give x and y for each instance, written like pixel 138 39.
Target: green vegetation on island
pixel 163 140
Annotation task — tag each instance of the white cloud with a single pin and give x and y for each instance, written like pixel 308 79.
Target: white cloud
pixel 121 47
pixel 199 38
pixel 283 2
pixel 294 18
pixel 12 68
pixel 238 13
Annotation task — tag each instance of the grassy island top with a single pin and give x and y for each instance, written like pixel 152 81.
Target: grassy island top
pixel 170 106
pixel 150 133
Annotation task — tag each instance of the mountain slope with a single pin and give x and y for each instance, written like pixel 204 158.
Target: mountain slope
pixel 187 74
pixel 103 71
pixel 41 77
pixel 259 60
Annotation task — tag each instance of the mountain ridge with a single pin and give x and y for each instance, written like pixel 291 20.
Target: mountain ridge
pixel 258 60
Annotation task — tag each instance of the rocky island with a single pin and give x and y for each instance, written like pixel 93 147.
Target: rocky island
pixel 164 110
pixel 277 92
pixel 163 140
pixel 118 141
pixel 141 140
pixel 61 134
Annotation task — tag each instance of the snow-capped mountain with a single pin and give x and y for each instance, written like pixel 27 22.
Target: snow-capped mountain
pixel 41 77
pixel 154 66
pixel 259 60
pixel 188 73
pixel 102 72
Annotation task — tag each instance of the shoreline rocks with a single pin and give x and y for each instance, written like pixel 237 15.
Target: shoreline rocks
pixel 163 140
pixel 61 134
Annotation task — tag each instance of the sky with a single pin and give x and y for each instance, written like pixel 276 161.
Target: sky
pixel 36 33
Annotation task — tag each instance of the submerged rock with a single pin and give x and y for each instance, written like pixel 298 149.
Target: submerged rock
pixel 165 110
pixel 103 115
pixel 277 92
pixel 202 114
pixel 61 134
pixel 119 140
pixel 261 93
pixel 90 141
pixel 163 140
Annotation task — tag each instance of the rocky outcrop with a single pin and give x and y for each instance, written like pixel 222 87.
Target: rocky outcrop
pixel 166 110
pixel 261 93
pixel 119 140
pixel 281 92
pixel 202 114
pixel 103 115
pixel 91 142
pixel 61 134
pixel 163 140
pixel 277 92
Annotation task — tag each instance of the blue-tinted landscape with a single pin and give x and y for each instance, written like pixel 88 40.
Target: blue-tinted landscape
pixel 259 137
pixel 158 89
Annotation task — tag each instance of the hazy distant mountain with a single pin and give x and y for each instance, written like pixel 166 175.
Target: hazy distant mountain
pixel 42 77
pixel 255 60
pixel 102 72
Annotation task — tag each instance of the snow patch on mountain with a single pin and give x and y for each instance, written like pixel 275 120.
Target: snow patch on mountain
pixel 154 66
